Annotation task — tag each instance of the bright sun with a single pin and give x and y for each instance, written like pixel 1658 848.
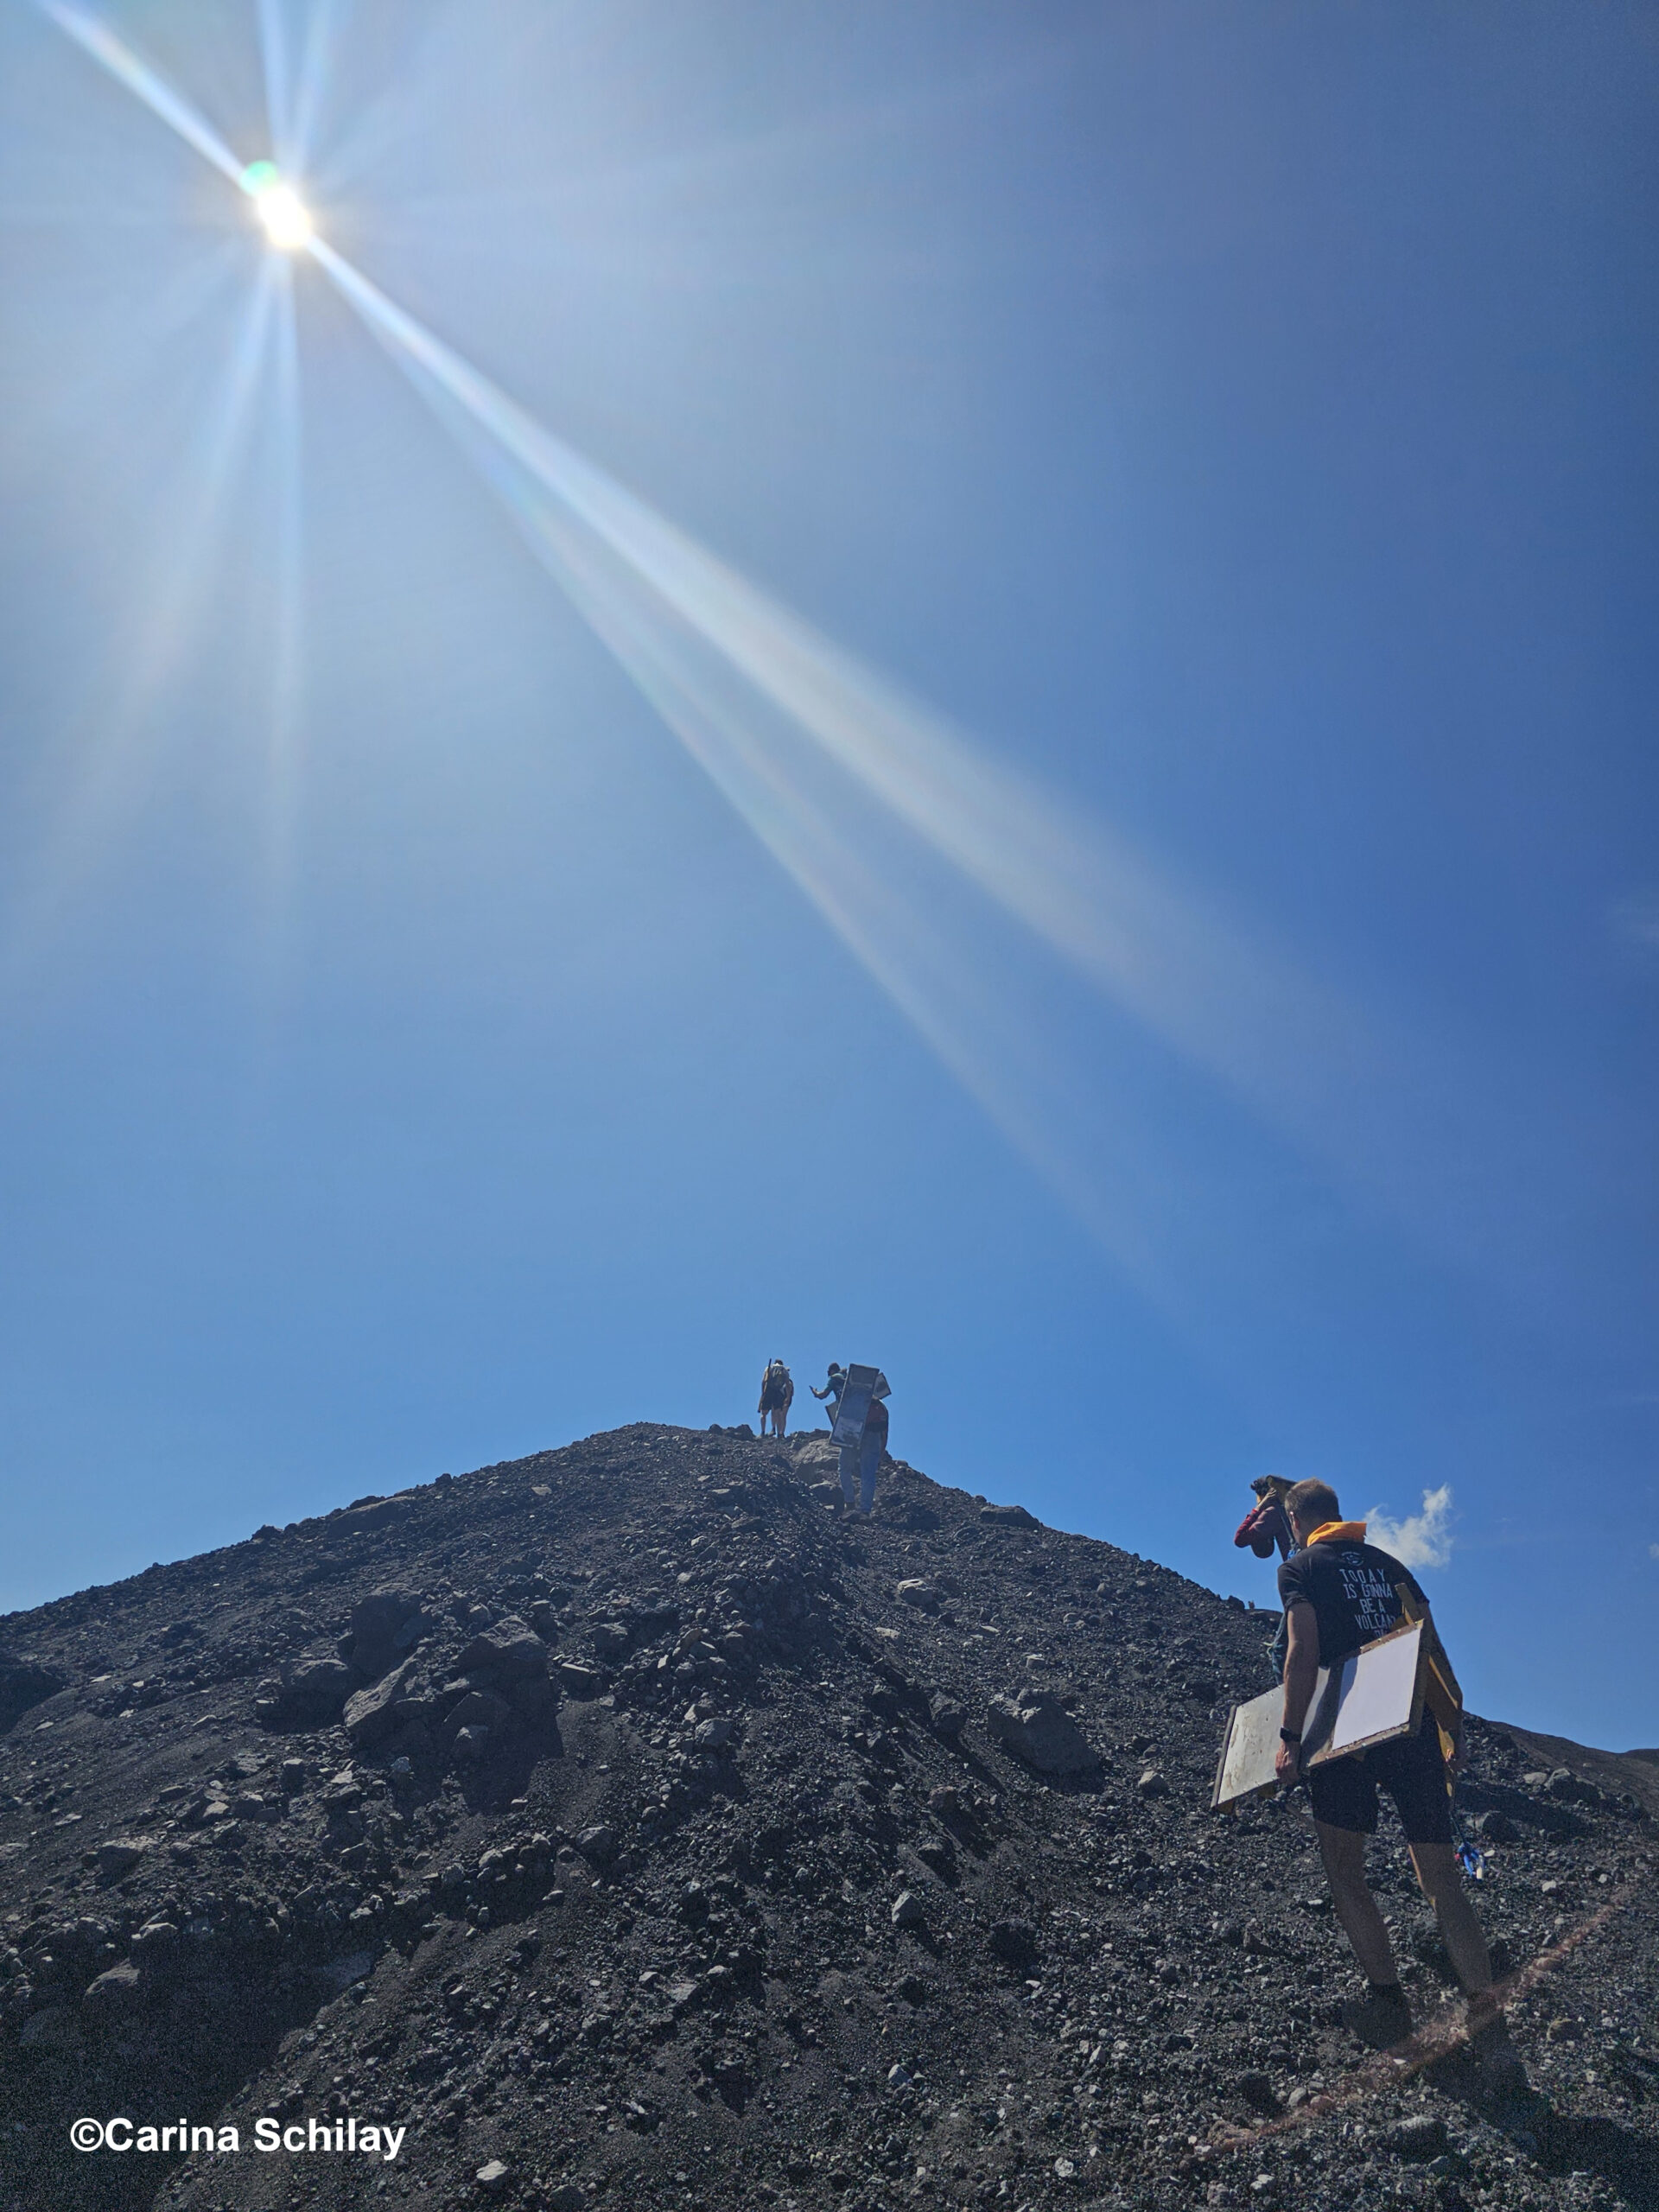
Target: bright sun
pixel 282 212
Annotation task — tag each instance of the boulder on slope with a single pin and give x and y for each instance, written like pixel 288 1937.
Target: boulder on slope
pixel 370 1718
pixel 385 1625
pixel 509 1649
pixel 1041 1734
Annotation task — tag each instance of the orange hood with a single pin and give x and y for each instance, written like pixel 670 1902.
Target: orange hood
pixel 1338 1532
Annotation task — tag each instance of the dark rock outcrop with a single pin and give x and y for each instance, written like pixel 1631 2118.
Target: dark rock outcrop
pixel 24 1682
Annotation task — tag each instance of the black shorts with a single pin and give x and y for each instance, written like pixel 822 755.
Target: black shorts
pixel 1411 1769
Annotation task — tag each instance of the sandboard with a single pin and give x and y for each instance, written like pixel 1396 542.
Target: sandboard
pixel 1376 1694
pixel 854 1410
pixel 1249 1748
pixel 1368 1697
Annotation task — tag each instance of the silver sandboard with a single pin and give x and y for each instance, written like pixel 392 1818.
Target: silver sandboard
pixel 854 1410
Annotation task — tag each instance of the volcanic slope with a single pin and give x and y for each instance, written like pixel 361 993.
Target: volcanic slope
pixel 636 1831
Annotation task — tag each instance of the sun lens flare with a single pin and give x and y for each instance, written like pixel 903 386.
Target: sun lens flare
pixel 283 214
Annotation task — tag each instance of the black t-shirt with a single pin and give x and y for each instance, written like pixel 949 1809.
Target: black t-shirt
pixel 1352 1589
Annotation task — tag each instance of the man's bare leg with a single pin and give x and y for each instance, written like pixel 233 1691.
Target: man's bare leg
pixel 1344 1854
pixel 1440 1880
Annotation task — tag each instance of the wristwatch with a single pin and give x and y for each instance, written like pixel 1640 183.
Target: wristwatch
pixel 1289 1735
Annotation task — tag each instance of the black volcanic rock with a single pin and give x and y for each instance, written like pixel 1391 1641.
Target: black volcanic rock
pixel 384 1625
pixel 24 1682
pixel 1040 1735
pixel 635 1831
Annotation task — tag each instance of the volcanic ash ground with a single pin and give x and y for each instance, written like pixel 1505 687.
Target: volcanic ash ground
pixel 634 1831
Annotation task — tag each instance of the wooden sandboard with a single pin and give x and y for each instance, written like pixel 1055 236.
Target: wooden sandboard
pixel 1249 1748
pixel 1368 1699
pixel 1372 1697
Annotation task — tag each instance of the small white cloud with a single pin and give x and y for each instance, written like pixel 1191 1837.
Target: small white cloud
pixel 1423 1539
pixel 1653 1551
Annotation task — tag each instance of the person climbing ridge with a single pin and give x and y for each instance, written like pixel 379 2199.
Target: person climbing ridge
pixel 1265 1524
pixel 1340 1593
pixel 1263 1527
pixel 835 1382
pixel 776 1394
pixel 861 1454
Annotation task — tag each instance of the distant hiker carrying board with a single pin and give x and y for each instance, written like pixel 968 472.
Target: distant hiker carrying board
pixel 861 1431
pixel 777 1394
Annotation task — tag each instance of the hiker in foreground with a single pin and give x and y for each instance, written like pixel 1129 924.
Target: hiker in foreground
pixel 777 1394
pixel 1340 1593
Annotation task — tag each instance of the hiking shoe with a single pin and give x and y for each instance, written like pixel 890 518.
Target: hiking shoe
pixel 1381 2018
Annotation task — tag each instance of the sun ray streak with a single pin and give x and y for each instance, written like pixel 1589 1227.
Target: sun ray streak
pixel 1413 1131
pixel 889 916
pixel 285 765
pixel 1235 1008
pixel 1085 892
pixel 817 821
pixel 186 299
pixel 224 433
pixel 95 37
pixel 279 105
pixel 106 787
pixel 311 81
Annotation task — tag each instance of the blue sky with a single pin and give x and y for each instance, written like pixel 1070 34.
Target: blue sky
pixel 1207 459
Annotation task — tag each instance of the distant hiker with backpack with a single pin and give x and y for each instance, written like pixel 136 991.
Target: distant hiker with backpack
pixel 835 1382
pixel 1265 1525
pixel 776 1394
